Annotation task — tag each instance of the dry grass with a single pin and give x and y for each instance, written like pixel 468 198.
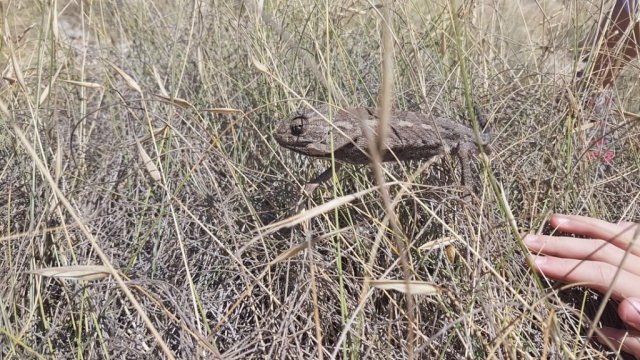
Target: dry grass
pixel 189 234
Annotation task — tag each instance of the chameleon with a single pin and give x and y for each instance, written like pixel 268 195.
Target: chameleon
pixel 411 136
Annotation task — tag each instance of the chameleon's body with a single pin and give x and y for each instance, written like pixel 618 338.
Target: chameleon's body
pixel 412 136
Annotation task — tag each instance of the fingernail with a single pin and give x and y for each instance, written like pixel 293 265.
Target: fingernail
pixel 530 239
pixel 606 335
pixel 540 259
pixel 633 321
pixel 633 324
pixel 560 219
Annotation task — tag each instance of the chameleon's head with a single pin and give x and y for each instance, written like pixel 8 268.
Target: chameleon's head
pixel 308 132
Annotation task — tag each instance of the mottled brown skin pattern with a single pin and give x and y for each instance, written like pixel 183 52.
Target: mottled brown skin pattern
pixel 412 136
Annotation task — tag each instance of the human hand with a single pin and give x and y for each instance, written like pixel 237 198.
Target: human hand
pixel 594 263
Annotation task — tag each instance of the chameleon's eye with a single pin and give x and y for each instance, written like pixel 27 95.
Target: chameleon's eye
pixel 297 126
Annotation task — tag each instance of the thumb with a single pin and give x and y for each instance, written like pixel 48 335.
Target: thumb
pixel 629 312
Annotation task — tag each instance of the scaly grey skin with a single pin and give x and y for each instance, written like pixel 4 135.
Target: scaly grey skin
pixel 412 136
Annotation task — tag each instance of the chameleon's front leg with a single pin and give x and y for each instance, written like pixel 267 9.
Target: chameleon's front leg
pixel 311 186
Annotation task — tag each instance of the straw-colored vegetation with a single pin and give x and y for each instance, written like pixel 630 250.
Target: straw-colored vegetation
pixel 136 135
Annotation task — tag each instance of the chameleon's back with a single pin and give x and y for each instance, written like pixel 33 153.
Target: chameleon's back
pixel 415 136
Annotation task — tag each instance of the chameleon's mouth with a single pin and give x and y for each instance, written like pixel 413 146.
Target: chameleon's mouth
pixel 304 149
pixel 297 146
pixel 289 141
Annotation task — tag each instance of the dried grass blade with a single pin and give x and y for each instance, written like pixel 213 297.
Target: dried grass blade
pixel 292 251
pixel 295 250
pixel 318 210
pixel 435 244
pixel 306 215
pixel 148 163
pixel 89 85
pixel 407 287
pixel 58 159
pixel 4 109
pixel 79 272
pixel 156 75
pixel 127 79
pixel 260 66
pixel 221 110
pixel 14 59
pixel 200 62
pixel 54 19
pixel 176 101
pixel 45 92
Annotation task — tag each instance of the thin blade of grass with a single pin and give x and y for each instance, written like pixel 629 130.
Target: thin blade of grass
pixel 89 85
pixel 54 19
pixel 221 110
pixel 78 272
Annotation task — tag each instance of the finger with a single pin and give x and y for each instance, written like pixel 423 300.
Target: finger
pixel 627 341
pixel 583 249
pixel 629 312
pixel 562 221
pixel 620 235
pixel 593 274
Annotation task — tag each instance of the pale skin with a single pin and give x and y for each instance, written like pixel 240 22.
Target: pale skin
pixel 594 262
pixel 597 262
pixel 617 50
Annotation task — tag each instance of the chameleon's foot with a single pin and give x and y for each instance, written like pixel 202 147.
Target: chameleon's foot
pixel 326 175
pixel 310 188
pixel 467 195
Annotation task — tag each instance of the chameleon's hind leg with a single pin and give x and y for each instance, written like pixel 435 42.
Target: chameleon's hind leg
pixel 467 180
